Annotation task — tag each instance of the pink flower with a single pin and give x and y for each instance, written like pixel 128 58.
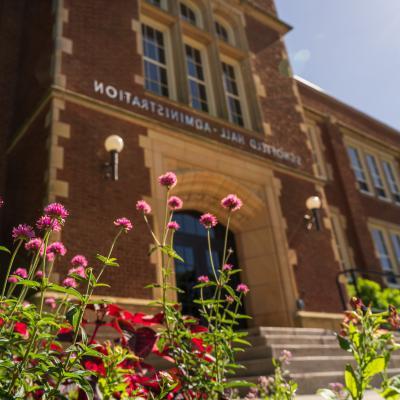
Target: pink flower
pixel 143 207
pixel 56 210
pixel 79 261
pixel 285 356
pixel 70 282
pixel 51 301
pixel 229 299
pixel 124 223
pixel 168 179
pixel 232 202
pixel 80 271
pixel 50 257
pixel 227 267
pixel 175 203
pixel 57 248
pixel 1 202
pixel 13 279
pixel 34 244
pixel 242 288
pixel 208 220
pixel 23 232
pixel 45 223
pixel 173 225
pixel 203 279
pixel 39 274
pixel 21 272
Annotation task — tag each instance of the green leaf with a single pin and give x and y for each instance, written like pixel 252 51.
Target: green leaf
pixel 351 381
pixel 236 384
pixel 170 252
pixel 27 282
pixel 61 289
pixel 72 316
pixel 110 262
pixel 343 343
pixel 3 248
pixel 374 367
pixel 85 385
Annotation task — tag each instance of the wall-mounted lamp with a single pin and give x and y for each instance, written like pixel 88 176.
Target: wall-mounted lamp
pixel 114 145
pixel 312 218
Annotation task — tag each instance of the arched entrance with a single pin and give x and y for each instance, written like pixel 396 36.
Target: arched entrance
pixel 190 242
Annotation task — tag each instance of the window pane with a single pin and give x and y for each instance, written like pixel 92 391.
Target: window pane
pixel 156 77
pixel 222 33
pixel 392 182
pixel 375 175
pixel 357 169
pixel 187 14
pixel 232 94
pixel 381 248
pixel 396 246
pixel 156 3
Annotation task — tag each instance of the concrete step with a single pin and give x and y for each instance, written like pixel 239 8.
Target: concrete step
pixel 274 330
pixel 271 339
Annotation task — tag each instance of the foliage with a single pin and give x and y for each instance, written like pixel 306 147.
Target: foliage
pixel 49 348
pixel 362 335
pixel 372 294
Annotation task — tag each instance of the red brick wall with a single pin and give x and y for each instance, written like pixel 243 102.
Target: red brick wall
pixel 95 202
pixel 315 257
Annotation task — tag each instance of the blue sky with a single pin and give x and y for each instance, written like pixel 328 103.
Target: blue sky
pixel 350 48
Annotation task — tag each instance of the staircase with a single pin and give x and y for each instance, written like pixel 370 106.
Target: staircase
pixel 317 358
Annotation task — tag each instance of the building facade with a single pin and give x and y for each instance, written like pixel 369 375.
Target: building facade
pixel 202 88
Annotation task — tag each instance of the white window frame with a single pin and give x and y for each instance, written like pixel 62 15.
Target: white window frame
pixel 376 175
pixel 314 134
pixel 241 88
pixel 392 179
pixel 360 168
pixel 168 55
pixel 206 72
pixel 340 240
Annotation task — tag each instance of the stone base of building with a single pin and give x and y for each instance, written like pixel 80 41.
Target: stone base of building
pixel 323 320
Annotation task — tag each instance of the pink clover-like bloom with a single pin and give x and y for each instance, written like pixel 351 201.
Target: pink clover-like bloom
pixel 70 282
pixel 23 232
pixel 175 203
pixel 208 220
pixel 57 248
pixel 80 271
pixel 242 288
pixel 56 210
pixel 79 261
pixel 203 279
pixel 173 225
pixel 124 223
pixel 169 180
pixel 46 222
pixel 143 207
pixel 34 244
pixel 21 272
pixel 231 202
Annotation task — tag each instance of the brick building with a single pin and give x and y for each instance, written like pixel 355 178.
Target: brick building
pixel 202 88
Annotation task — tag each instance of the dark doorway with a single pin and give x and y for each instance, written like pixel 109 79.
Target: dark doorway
pixel 190 242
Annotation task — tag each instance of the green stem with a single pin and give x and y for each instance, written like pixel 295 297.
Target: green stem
pixel 10 264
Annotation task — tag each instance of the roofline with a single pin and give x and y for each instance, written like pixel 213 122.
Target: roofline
pixel 368 118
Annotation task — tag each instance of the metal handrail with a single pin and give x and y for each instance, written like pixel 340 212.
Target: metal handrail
pixel 353 272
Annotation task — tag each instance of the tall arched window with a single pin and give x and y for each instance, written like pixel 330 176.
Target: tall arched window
pixel 224 31
pixel 190 242
pixel 190 13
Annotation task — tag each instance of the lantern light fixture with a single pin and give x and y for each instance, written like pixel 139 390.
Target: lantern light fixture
pixel 114 144
pixel 312 218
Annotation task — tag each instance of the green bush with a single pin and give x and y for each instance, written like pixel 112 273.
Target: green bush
pixel 373 295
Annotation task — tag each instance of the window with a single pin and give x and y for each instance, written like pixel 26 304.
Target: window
pixel 358 169
pixel 376 176
pixel 156 3
pixel 232 94
pixel 188 14
pixel 314 136
pixel 155 64
pixel 391 180
pixel 196 77
pixel 382 251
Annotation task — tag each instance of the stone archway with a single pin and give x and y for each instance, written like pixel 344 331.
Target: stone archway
pixel 259 227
